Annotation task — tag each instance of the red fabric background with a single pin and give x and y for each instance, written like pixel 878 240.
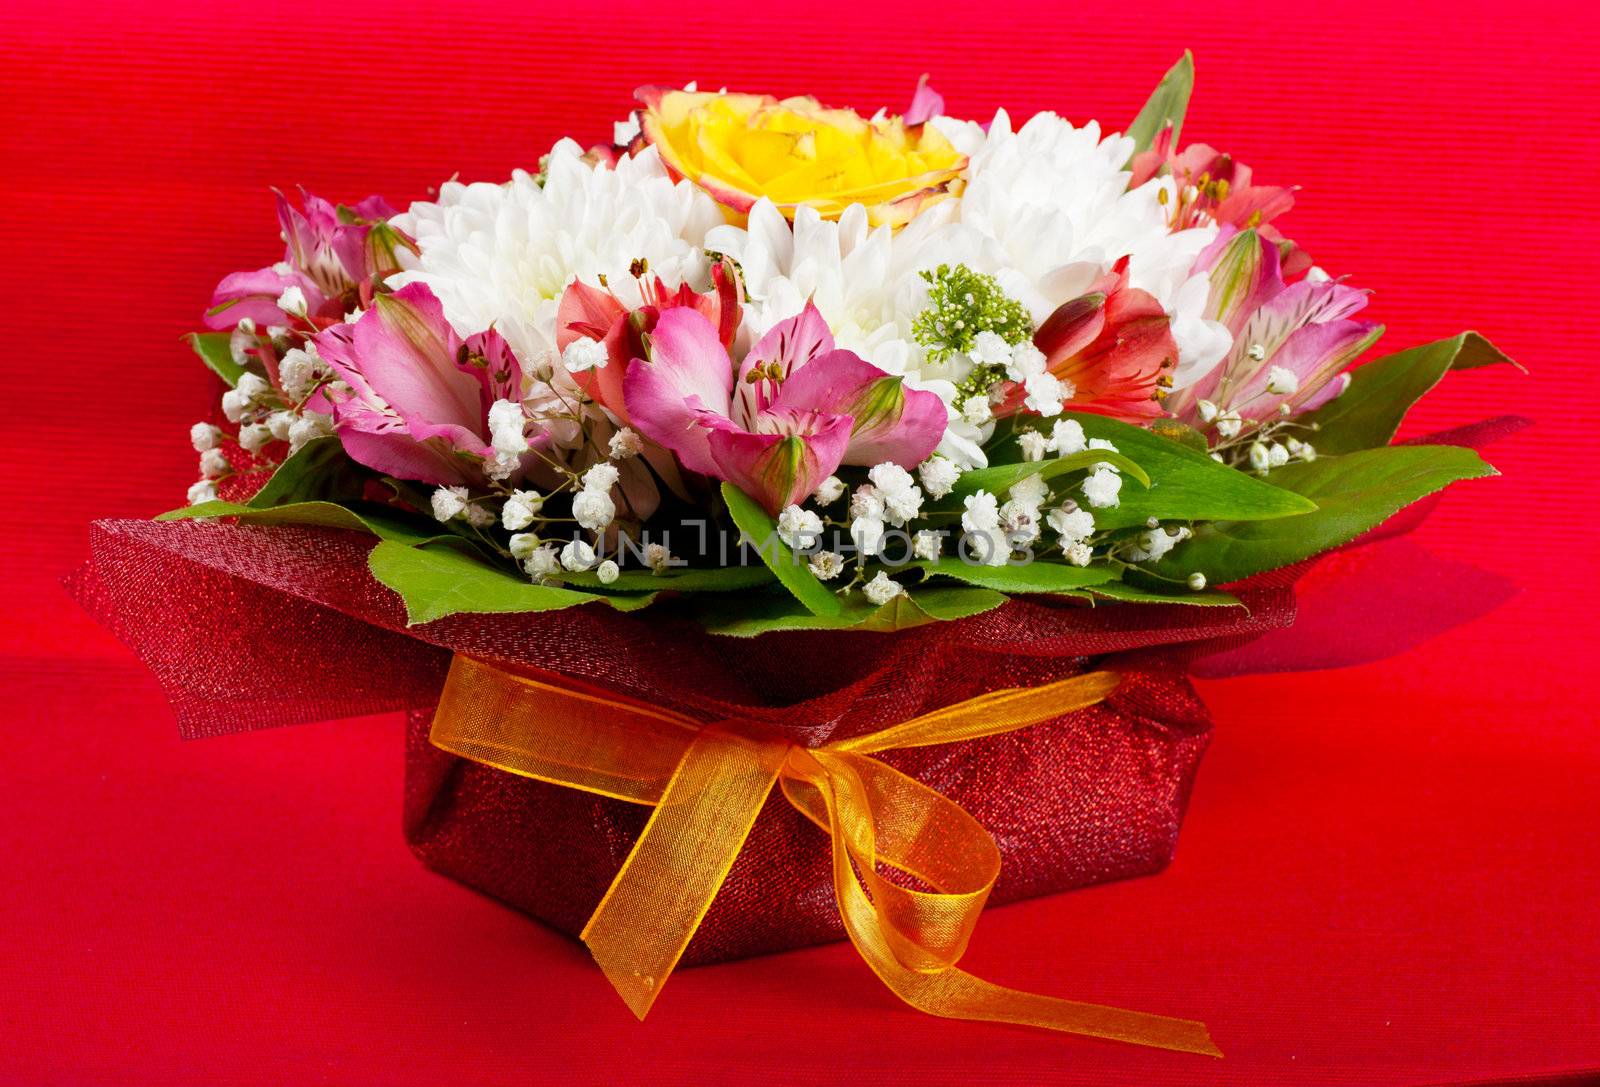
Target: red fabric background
pixel 1389 873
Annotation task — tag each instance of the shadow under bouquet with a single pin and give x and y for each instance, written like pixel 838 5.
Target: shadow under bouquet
pixel 781 524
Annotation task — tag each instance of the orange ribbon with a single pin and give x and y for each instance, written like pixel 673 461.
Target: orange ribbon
pixel 707 784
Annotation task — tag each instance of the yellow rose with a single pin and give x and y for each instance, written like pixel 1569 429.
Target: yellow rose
pixel 797 153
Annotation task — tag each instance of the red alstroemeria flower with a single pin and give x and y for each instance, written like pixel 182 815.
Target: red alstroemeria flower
pixel 1113 345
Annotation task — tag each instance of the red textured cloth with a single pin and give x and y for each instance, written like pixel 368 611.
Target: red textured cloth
pixel 1387 874
pixel 1092 796
pixel 248 627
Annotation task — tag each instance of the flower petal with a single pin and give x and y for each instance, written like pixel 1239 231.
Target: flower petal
pixel 407 353
pixel 1244 274
pixel 1314 354
pixel 1072 327
pixel 687 377
pixel 255 295
pixel 786 348
pixel 888 421
pixel 926 103
pixel 785 464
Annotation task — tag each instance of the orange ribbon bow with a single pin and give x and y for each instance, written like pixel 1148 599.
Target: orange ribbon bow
pixel 707 784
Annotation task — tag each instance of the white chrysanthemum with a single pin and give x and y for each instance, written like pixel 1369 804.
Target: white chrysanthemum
pixel 864 282
pixel 1052 203
pixel 501 255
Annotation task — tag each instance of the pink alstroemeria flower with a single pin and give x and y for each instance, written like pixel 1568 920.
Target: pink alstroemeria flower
pixel 332 254
pixel 1214 185
pixel 420 395
pixel 1302 328
pixel 597 314
pixel 796 408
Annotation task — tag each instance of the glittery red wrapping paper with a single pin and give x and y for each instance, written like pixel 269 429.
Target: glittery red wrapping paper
pixel 1092 796
pixel 248 627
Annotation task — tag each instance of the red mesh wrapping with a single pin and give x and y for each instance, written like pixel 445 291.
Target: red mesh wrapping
pixel 1093 796
pixel 249 626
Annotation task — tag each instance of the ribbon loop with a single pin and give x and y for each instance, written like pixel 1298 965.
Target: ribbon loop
pixel 647 917
pixel 708 783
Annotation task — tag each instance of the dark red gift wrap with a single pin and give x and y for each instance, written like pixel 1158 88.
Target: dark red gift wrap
pixel 249 626
pixel 1091 796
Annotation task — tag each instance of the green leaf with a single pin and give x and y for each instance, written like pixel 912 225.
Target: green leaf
pixel 438 581
pixel 1182 433
pixel 702 579
pixel 1353 493
pixel 1185 485
pixel 213 349
pixel 384 523
pixel 1368 414
pixel 1033 577
pixel 1167 105
pixel 318 470
pixel 945 602
pixel 919 605
pixel 1000 478
pixel 790 569
pixel 1123 592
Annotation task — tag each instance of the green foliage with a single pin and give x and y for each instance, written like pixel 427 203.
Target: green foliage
pixel 1167 105
pixel 997 479
pixel 1182 433
pixel 379 521
pixel 1040 576
pixel 1125 592
pixel 790 569
pixel 1185 485
pixel 1369 412
pixel 1352 493
pixel 760 613
pixel 963 303
pixel 318 470
pixel 701 579
pixel 443 580
pixel 214 351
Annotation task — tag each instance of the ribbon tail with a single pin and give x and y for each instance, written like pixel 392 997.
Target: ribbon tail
pixel 956 994
pixel 882 933
pixel 640 929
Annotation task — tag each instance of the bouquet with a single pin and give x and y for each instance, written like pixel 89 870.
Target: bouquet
pixel 718 460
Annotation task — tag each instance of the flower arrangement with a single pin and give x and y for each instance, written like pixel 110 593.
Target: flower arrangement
pixel 1040 399
pixel 921 363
